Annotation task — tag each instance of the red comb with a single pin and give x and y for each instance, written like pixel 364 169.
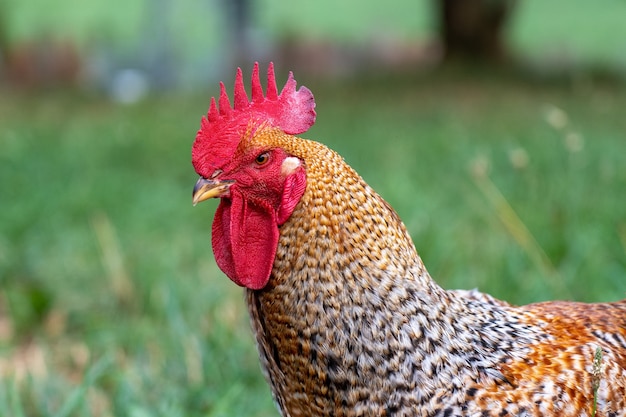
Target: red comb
pixel 293 111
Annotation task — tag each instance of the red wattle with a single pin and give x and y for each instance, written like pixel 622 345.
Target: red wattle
pixel 245 238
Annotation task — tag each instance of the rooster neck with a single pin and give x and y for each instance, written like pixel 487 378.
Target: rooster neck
pixel 344 244
pixel 342 230
pixel 343 257
pixel 350 313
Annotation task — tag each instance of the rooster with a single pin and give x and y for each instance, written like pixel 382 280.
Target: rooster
pixel 347 320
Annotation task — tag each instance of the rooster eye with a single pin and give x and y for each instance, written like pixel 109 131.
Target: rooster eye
pixel 262 159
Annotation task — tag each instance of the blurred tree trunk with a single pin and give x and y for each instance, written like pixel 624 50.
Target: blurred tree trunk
pixel 473 30
pixel 4 39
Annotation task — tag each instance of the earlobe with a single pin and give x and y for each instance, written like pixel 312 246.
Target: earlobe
pixel 295 185
pixel 289 165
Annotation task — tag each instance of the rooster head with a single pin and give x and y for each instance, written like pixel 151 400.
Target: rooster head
pixel 238 156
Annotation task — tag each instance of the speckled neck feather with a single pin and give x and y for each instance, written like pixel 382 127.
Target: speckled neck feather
pixel 351 324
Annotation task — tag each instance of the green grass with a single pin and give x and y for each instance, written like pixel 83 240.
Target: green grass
pixel 110 300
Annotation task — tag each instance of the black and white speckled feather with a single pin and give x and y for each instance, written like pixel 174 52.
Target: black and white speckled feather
pixel 351 324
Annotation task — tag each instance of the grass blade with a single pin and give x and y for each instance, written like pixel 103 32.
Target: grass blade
pixel 518 230
pixel 77 396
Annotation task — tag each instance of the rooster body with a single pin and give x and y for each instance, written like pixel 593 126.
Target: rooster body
pixel 348 321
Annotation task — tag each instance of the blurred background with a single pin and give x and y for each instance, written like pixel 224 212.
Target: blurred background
pixel 496 128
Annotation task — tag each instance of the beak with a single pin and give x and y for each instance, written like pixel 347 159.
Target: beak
pixel 205 189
